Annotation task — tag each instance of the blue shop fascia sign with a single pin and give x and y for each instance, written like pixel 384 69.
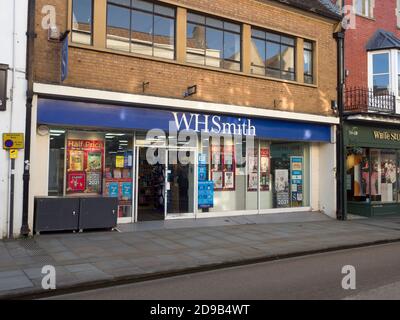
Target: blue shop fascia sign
pixel 87 114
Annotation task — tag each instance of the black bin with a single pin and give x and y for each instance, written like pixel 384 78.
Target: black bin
pixel 56 214
pixel 98 213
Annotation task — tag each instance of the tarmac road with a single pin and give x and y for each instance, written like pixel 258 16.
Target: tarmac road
pixel 310 277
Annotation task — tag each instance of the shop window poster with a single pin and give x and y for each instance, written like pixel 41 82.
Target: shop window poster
pixel 252 164
pixel 206 194
pixel 296 164
pixel 128 159
pixel 112 189
pixel 126 191
pixel 265 169
pixel 76 160
pixel 202 173
pixel 119 161
pixel 216 158
pixel 218 180
pixel 76 182
pixel 94 161
pixel 223 167
pixel 253 181
pixel 93 182
pixel 282 188
pixel 229 180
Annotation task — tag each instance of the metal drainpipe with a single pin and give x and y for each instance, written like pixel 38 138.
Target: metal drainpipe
pixel 341 174
pixel 11 169
pixel 31 35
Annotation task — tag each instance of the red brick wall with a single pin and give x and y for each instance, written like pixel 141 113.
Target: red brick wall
pixel 356 39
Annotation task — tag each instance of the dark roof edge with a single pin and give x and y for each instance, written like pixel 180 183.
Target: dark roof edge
pixel 325 13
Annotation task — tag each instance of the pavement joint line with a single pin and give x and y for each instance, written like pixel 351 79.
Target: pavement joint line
pixel 126 280
pixel 381 227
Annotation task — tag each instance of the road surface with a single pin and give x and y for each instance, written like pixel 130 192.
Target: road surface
pixel 310 277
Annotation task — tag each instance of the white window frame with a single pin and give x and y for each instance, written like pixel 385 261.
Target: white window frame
pixel 368 3
pixel 398 13
pixel 393 73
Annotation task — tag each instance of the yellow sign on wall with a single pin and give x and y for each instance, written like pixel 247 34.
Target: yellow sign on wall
pixel 13 154
pixel 13 141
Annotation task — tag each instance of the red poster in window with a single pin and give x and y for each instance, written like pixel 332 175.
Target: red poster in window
pixel 76 182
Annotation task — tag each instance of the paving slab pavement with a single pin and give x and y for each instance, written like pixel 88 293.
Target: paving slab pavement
pixel 105 258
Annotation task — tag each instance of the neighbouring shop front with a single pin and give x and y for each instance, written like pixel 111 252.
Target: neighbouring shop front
pixel 373 171
pixel 234 165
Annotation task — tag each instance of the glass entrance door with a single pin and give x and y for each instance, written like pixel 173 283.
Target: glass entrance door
pixel 181 181
pixel 166 183
pixel 151 183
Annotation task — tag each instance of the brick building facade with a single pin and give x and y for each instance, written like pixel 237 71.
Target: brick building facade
pixel 260 69
pixel 371 111
pixel 383 16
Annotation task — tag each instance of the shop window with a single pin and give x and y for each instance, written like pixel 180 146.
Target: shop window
pixel 290 175
pixel 118 171
pixel 372 175
pixel 308 62
pixel 265 175
pixel 92 163
pixel 384 175
pixel 85 163
pixel 141 27
pixel 213 42
pixel 226 169
pixel 56 162
pixel 82 21
pixel 273 55
pixel 358 176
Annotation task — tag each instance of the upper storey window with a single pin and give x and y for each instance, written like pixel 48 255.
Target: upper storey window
pixel 308 62
pixel 213 42
pixel 82 21
pixel 381 73
pixel 273 55
pixel 141 27
pixel 364 8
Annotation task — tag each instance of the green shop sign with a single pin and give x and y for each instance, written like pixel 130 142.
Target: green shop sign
pixel 376 137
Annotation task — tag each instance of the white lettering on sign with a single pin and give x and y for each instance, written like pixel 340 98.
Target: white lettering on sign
pixel 213 124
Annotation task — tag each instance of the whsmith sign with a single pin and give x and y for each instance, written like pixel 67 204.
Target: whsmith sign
pixel 361 136
pixel 93 115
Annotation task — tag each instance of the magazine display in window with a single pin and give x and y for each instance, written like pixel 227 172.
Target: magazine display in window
pixel 84 166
